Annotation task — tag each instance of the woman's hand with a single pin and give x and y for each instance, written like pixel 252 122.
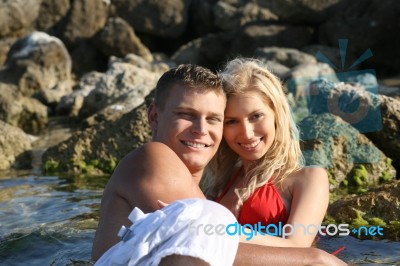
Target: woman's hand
pixel 161 204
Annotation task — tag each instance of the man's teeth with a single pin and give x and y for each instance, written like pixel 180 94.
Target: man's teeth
pixel 250 145
pixel 195 144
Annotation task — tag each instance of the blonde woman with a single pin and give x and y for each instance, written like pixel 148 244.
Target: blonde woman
pixel 258 171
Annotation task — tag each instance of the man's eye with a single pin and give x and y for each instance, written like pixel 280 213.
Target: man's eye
pixel 214 119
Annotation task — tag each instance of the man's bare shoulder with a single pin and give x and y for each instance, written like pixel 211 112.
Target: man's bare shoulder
pixel 152 160
pixel 149 173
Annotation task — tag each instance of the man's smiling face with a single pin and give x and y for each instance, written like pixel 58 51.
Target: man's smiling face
pixel 191 124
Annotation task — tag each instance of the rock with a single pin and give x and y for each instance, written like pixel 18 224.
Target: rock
pixel 87 58
pixel 119 39
pixel 84 19
pixel 352 160
pixel 207 51
pixel 328 55
pixel 37 62
pixel 285 56
pixel 20 111
pixel 363 25
pixel 262 34
pixel 5 45
pixel 160 65
pixel 120 81
pixel 201 17
pixel 299 12
pixel 72 103
pixel 393 92
pixel 387 139
pixel 53 96
pixel 51 13
pixel 14 143
pixel 276 68
pixel 97 149
pixel 378 116
pixel 229 17
pixel 299 77
pixel 382 202
pixel 17 16
pixel 166 18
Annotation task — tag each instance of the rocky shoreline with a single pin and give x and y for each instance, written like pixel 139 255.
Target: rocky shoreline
pixel 95 64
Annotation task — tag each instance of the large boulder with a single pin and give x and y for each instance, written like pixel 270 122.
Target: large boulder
pixel 37 62
pixel 387 139
pixel 5 45
pixel 20 111
pixel 208 51
pixel 230 16
pixel 328 54
pixel 122 80
pixel 368 26
pixel 379 206
pixel 17 16
pixel 285 56
pixel 166 18
pixel 71 104
pixel 300 11
pixel 352 160
pixel 97 149
pixel 377 116
pixel 14 144
pixel 299 77
pixel 201 17
pixel 84 19
pixel 51 13
pixel 261 34
pixel 117 38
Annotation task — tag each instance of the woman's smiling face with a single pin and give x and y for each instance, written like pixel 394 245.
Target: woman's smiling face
pixel 249 125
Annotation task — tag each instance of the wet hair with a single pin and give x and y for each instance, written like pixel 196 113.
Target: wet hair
pixel 189 76
pixel 284 157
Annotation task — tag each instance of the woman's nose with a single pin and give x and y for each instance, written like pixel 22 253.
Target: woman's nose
pixel 248 130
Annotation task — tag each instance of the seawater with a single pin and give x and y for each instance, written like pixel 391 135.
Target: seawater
pixel 51 220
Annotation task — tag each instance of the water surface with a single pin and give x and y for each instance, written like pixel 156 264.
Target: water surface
pixel 49 220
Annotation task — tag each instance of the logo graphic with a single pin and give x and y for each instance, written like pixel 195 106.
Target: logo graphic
pixel 349 94
pixel 282 230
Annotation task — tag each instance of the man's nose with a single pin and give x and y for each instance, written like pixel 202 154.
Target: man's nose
pixel 199 127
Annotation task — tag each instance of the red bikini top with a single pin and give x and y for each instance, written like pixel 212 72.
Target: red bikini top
pixel 265 205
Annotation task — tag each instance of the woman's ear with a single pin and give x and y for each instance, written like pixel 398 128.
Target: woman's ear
pixel 152 116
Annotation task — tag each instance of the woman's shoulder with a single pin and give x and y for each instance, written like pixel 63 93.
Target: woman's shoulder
pixel 309 175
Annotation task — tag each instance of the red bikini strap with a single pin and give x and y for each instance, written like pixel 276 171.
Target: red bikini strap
pixel 228 186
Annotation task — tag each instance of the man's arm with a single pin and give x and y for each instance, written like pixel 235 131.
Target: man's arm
pixel 150 173
pixel 257 255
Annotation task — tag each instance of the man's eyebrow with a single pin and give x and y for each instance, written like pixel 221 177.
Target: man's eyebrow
pixel 185 108
pixel 216 114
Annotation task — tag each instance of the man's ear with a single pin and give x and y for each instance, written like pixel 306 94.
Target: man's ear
pixel 152 116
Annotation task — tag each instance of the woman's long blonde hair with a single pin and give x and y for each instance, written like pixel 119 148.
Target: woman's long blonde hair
pixel 283 157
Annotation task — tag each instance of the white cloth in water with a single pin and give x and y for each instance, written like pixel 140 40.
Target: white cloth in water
pixel 190 227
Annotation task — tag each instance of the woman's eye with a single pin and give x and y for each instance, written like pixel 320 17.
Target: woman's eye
pixel 257 116
pixel 229 122
pixel 214 119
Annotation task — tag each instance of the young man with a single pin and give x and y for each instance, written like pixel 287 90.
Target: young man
pixel 187 121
